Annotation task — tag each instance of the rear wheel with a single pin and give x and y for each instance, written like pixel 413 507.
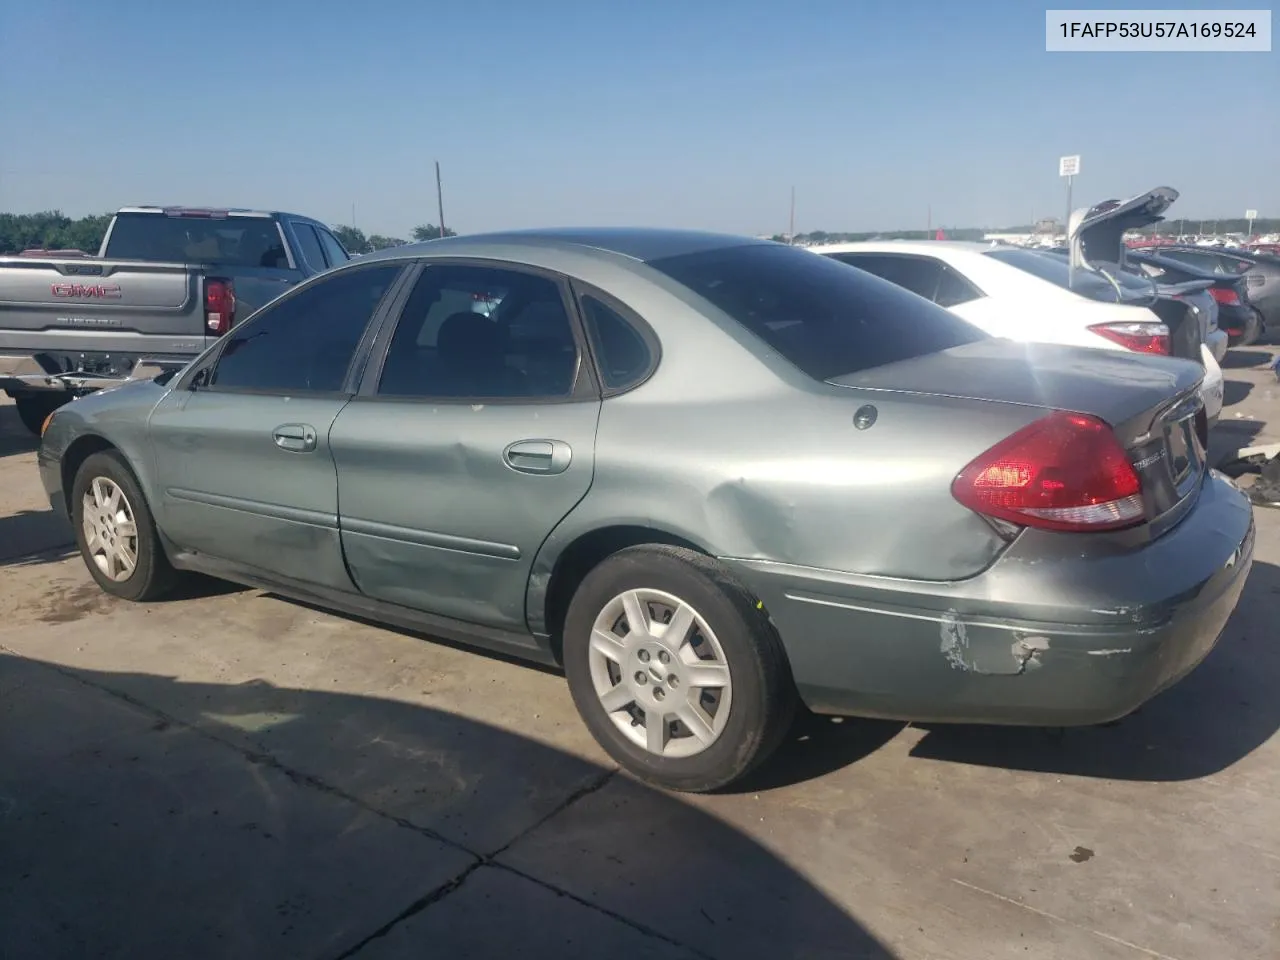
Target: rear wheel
pixel 33 408
pixel 116 532
pixel 1252 329
pixel 675 669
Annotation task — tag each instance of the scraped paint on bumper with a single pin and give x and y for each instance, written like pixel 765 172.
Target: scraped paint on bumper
pixel 1037 642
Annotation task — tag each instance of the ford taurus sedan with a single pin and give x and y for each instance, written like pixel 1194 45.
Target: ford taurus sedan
pixel 713 478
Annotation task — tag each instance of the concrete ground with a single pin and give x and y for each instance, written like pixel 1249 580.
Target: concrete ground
pixel 232 775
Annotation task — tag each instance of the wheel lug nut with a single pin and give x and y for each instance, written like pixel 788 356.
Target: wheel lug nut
pixel 640 677
pixel 658 693
pixel 674 681
pixel 644 656
pixel 664 657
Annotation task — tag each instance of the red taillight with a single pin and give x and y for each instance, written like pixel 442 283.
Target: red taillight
pixel 1066 471
pixel 219 305
pixel 1142 336
pixel 1225 295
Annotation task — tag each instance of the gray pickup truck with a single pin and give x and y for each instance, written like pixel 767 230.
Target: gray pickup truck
pixel 166 282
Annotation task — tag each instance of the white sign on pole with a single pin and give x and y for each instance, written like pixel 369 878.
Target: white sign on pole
pixel 1069 166
pixel 1251 214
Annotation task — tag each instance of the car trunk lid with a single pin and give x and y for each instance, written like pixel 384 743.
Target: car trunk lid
pixel 1152 403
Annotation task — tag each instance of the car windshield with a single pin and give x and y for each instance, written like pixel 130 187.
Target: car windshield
pixel 1055 267
pixel 824 317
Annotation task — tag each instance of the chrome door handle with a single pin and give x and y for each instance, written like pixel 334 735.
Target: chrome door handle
pixel 538 456
pixel 295 437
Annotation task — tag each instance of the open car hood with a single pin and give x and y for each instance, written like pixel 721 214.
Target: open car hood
pixel 1097 234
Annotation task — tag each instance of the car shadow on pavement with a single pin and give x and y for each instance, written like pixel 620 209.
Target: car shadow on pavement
pixel 1234 391
pixel 1244 359
pixel 1215 716
pixel 34 536
pixel 148 816
pixel 14 437
pixel 1229 436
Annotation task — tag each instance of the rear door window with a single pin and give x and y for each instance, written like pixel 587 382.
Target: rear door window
pixel 309 244
pixel 482 332
pixel 333 250
pixel 824 318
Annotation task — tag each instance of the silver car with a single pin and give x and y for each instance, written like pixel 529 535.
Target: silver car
pixel 712 477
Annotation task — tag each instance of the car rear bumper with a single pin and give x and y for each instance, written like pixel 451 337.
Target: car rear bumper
pixel 1082 637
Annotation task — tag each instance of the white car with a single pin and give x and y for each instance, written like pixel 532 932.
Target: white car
pixel 983 285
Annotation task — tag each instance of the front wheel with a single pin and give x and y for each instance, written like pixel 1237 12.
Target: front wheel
pixel 116 532
pixel 675 669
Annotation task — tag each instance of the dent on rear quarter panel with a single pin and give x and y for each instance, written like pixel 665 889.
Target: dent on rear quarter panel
pixel 785 476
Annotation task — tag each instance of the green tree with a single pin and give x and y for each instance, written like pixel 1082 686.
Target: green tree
pixel 84 234
pixel 379 242
pixel 429 231
pixel 352 238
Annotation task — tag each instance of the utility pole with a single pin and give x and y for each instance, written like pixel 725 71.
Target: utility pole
pixel 791 226
pixel 928 223
pixel 440 198
pixel 353 214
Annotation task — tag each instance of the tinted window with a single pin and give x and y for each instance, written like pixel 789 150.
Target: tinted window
pixel 481 332
pixel 333 250
pixel 954 289
pixel 621 351
pixel 1056 269
pixel 917 274
pixel 1204 261
pixel 305 342
pixel 309 243
pixel 225 241
pixel 826 319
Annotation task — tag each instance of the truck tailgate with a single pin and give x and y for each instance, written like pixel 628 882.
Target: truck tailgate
pixel 64 307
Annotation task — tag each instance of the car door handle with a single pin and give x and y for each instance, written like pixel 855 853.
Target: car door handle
pixel 295 437
pixel 538 456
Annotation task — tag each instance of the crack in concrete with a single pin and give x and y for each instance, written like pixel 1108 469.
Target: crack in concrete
pixel 436 894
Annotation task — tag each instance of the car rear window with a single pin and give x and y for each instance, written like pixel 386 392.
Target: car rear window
pixel 1056 268
pixel 826 318
pixel 226 242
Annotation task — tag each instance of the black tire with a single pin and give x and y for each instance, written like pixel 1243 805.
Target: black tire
pixel 1252 330
pixel 33 408
pixel 153 576
pixel 763 694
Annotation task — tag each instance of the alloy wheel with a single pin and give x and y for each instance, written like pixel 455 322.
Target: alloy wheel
pixel 660 673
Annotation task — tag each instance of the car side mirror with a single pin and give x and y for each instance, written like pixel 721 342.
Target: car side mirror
pixel 201 379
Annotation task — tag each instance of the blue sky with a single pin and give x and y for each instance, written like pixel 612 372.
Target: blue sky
pixel 663 113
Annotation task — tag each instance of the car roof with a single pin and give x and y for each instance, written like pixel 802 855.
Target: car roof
pixel 932 247
pixel 229 211
pixel 642 244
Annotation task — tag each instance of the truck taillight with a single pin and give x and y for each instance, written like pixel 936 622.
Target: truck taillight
pixel 1225 295
pixel 219 305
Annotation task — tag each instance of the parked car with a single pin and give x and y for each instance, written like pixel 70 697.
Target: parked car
pixel 1194 294
pixel 1237 316
pixel 1260 270
pixel 165 283
pixel 1024 295
pixel 710 476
